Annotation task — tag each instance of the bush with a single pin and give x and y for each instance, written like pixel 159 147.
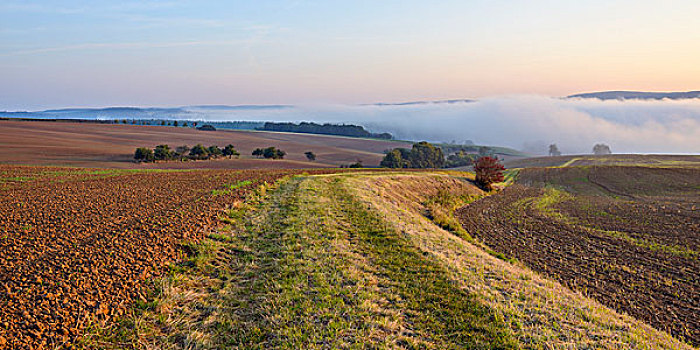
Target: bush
pixel 310 156
pixel 143 154
pixel 488 171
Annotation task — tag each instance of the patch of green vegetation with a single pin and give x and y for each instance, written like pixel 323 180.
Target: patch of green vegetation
pixel 17 179
pixel 510 176
pixel 548 199
pixel 441 210
pixel 545 205
pixel 436 308
pixel 651 245
pixel 228 189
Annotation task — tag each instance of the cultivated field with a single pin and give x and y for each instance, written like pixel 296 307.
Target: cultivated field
pixel 628 236
pixel 112 146
pixel 652 160
pixel 77 245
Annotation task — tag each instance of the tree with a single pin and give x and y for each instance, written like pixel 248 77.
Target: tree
pixel 425 155
pixel 162 122
pixel 554 150
pixel 215 152
pixel 143 154
pixel 460 158
pixel 393 159
pixel 488 171
pixel 310 156
pixel 273 153
pixel 229 151
pixel 175 123
pixel 422 155
pixel 162 152
pixel 601 149
pixel 258 152
pixel 199 152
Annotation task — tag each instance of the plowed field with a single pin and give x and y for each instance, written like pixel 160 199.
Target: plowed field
pixel 627 236
pixel 77 245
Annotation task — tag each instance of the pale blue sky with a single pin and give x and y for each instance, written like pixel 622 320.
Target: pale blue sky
pixel 166 53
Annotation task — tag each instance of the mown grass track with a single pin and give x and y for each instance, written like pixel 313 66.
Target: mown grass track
pixel 316 269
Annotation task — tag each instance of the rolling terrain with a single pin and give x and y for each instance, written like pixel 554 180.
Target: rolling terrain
pixel 589 256
pixel 352 260
pixel 112 146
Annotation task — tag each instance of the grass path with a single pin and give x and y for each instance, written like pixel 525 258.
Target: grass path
pixel 349 261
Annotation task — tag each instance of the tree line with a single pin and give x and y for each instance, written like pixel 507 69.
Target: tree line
pixel 198 152
pixel 325 129
pixel 424 155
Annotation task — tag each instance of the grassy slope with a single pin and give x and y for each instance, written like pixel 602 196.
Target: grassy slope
pixel 347 261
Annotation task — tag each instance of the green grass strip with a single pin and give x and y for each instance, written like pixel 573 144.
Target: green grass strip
pixel 435 305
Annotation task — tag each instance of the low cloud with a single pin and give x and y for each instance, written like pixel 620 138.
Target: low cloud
pixel 521 122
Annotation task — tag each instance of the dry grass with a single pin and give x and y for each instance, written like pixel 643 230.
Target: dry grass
pixel 351 261
pixel 541 313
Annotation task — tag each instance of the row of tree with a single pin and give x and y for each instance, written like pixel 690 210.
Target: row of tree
pixel 198 152
pixel 161 122
pixel 326 129
pixel 424 155
pixel 271 153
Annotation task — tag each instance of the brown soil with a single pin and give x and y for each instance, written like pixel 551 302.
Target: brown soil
pixel 78 245
pixel 632 244
pixel 112 146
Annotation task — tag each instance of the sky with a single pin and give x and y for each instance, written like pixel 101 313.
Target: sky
pixel 172 53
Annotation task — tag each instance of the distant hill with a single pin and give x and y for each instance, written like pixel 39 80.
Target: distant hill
pixel 185 112
pixel 638 95
pixel 411 103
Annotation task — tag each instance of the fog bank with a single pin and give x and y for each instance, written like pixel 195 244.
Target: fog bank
pixel 523 122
